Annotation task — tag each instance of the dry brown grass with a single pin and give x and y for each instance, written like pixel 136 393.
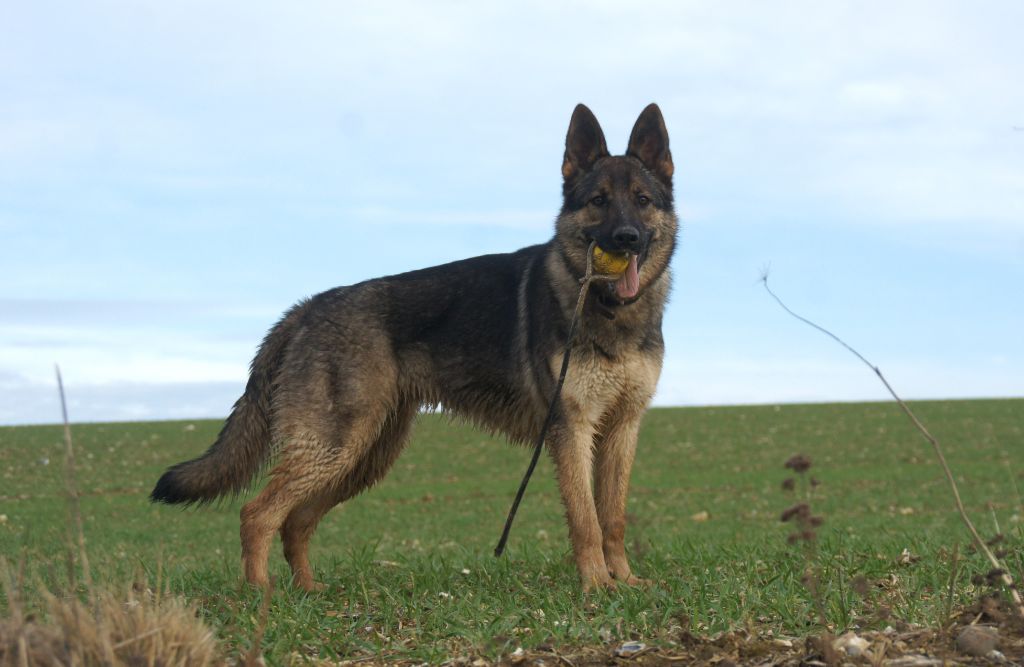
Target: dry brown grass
pixel 129 630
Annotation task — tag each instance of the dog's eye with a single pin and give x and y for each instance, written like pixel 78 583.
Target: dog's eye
pixel 598 200
pixel 643 200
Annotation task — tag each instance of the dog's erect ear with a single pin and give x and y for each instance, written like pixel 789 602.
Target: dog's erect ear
pixel 648 142
pixel 584 143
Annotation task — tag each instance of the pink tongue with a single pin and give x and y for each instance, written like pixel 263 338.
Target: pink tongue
pixel 629 284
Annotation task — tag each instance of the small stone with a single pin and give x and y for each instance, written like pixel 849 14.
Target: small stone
pixel 629 649
pixel 907 558
pixel 977 640
pixel 914 660
pixel 851 644
pixel 700 516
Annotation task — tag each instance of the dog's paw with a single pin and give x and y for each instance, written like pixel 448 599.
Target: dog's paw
pixel 632 580
pixel 307 584
pixel 598 583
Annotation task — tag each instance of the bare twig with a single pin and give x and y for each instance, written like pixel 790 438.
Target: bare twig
pixel 253 658
pixel 952 584
pixel 76 539
pixel 71 486
pixel 1005 577
pixel 138 638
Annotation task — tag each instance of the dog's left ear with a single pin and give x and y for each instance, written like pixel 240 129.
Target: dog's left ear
pixel 648 142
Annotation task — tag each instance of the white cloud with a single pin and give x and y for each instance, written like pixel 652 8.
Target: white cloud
pixel 122 354
pixel 511 218
pixel 876 97
pixel 38 402
pixel 813 379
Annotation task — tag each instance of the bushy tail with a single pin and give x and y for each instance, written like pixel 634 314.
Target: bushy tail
pixel 244 444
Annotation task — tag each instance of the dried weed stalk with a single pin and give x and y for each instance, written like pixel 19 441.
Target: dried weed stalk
pixel 76 534
pixel 805 534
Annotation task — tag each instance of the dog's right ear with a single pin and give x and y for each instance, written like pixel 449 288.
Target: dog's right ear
pixel 584 143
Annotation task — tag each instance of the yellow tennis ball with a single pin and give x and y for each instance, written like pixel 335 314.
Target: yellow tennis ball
pixel 610 263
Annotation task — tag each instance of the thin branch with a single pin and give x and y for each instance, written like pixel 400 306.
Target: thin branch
pixel 978 542
pixel 71 485
pixel 254 656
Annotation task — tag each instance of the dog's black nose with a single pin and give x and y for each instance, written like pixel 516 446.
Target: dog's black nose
pixel 627 237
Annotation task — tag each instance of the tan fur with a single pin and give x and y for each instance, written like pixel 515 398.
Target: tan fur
pixel 603 401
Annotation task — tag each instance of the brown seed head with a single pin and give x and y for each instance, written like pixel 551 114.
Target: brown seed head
pixel 788 484
pixel 799 463
pixel 994 575
pixel 860 585
pixel 809 580
pixel 798 511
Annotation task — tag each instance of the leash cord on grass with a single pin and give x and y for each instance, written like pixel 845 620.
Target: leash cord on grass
pixel 588 278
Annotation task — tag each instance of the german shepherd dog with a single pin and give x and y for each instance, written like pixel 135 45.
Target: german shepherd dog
pixel 338 380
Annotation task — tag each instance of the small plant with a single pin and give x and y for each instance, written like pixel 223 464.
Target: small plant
pixel 805 524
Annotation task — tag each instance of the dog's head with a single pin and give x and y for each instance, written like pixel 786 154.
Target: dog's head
pixel 624 203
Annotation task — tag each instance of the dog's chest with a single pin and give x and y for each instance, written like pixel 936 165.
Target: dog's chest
pixel 597 384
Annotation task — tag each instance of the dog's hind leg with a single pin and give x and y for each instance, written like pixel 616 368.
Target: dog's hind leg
pixel 296 531
pixel 321 447
pixel 304 473
pixel 301 522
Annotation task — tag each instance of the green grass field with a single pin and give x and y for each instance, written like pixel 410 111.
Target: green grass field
pixel 409 567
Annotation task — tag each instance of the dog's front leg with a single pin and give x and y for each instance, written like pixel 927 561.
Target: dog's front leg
pixel 572 448
pixel 615 452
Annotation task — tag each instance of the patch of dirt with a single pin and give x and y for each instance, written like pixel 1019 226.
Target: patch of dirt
pixel 906 647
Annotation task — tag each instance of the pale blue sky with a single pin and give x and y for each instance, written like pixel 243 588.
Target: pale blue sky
pixel 173 175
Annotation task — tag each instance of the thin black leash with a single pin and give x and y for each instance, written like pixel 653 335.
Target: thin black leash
pixel 585 281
